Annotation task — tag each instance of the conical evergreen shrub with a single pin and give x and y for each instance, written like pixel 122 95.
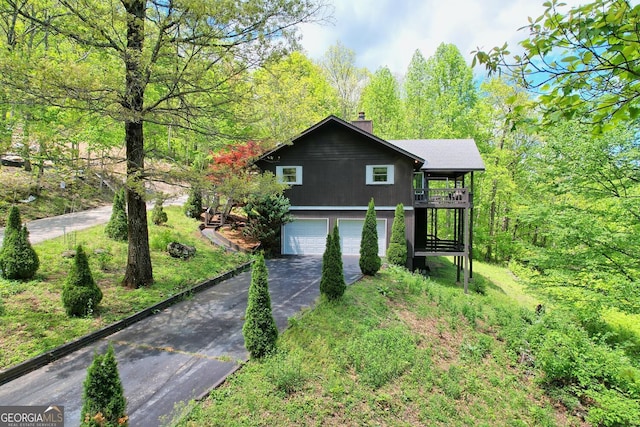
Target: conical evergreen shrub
pixel 14 222
pixel 80 294
pixel 332 283
pixel 117 228
pixel 103 401
pixel 397 250
pixel 18 259
pixel 158 215
pixel 259 330
pixel 193 206
pixel 370 261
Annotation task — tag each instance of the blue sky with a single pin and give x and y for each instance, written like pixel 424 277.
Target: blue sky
pixel 388 32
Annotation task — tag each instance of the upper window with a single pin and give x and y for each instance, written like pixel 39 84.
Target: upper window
pixel 291 175
pixel 379 174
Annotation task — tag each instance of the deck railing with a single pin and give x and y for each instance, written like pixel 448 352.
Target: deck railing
pixel 445 197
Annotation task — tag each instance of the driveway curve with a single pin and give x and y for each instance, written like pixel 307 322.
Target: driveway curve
pixel 180 353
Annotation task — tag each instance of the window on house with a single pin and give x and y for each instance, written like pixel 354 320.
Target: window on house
pixel 291 175
pixel 379 174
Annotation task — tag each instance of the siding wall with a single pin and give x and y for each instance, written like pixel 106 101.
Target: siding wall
pixel 334 160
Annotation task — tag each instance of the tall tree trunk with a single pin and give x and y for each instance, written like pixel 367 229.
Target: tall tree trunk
pixel 493 207
pixel 492 221
pixel 139 271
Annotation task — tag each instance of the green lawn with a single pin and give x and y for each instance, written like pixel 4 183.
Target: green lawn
pixel 33 318
pixel 397 350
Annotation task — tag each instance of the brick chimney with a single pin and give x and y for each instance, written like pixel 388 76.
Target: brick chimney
pixel 363 124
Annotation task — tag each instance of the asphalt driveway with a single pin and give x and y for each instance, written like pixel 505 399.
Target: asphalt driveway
pixel 56 226
pixel 180 353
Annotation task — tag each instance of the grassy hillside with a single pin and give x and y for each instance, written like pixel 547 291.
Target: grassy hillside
pixel 404 350
pixel 19 187
pixel 32 318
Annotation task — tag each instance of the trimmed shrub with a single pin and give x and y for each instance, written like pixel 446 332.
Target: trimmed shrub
pixel 332 284
pixel 18 259
pixel 259 330
pixel 14 222
pixel 103 401
pixel 266 214
pixel 370 262
pixel 158 215
pixel 397 250
pixel 80 294
pixel 117 227
pixel 193 206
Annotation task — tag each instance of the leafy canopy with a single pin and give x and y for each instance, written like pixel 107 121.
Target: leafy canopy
pixel 582 62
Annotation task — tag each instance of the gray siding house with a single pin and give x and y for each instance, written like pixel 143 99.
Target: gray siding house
pixel 335 167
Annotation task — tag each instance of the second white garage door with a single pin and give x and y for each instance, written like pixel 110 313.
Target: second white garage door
pixel 305 237
pixel 351 234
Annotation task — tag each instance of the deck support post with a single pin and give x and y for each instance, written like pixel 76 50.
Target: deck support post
pixel 467 234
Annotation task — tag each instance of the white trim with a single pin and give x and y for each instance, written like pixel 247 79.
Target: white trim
pixel 345 208
pixel 279 174
pixel 369 175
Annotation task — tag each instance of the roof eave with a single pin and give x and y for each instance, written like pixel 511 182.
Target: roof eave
pixel 412 156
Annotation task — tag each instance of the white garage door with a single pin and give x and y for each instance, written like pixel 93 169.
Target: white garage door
pixel 305 237
pixel 351 233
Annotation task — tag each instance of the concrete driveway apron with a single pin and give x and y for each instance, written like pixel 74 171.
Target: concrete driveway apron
pixel 180 353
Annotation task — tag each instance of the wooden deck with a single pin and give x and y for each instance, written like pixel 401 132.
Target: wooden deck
pixel 438 247
pixel 442 198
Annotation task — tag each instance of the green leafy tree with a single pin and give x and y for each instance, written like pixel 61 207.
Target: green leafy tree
pixel 18 259
pixel 266 214
pixel 586 217
pixel 332 284
pixel 103 401
pixel 117 228
pixel 339 65
pixel 290 96
pixel 380 100
pixel 583 61
pixel 150 64
pixel 370 261
pixel 259 330
pixel 397 250
pixel 193 205
pixel 504 189
pixel 451 94
pixel 80 294
pixel 440 96
pixel 416 103
pixel 158 215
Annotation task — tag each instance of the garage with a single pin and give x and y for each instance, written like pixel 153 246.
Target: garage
pixel 305 237
pixel 351 233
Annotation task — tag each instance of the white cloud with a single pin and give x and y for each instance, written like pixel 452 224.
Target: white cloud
pixel 388 32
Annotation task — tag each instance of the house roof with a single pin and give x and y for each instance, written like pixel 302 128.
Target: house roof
pixel 418 159
pixel 438 155
pixel 446 155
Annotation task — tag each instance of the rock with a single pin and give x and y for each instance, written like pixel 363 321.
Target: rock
pixel 178 250
pixel 69 254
